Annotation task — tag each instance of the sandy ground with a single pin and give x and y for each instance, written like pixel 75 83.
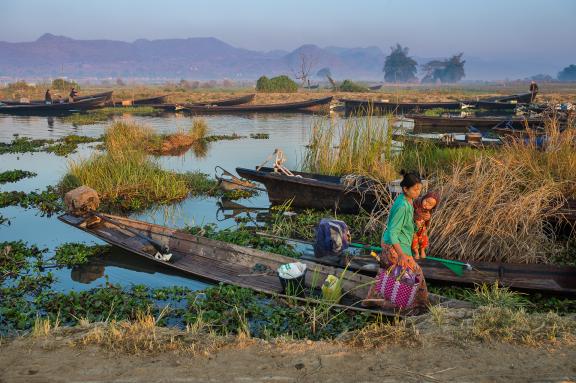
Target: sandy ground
pixel 52 359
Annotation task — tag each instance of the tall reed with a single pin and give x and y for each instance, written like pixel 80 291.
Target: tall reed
pixel 361 145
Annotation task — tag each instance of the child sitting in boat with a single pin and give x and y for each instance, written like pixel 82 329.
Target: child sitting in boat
pixel 423 208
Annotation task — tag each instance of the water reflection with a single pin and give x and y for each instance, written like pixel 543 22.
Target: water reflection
pixel 119 261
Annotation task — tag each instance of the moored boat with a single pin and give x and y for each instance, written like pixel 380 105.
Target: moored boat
pixel 284 107
pixel 374 106
pixel 218 261
pixel 308 190
pixel 55 108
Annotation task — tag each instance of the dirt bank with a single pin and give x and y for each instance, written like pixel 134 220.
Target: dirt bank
pixel 54 359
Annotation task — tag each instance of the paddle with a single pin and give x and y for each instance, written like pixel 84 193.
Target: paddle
pixel 455 266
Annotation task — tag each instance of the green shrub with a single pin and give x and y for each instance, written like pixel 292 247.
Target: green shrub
pixel 279 84
pixel 62 84
pixel 351 86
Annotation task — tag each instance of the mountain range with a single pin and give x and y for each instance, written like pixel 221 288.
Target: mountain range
pixel 205 58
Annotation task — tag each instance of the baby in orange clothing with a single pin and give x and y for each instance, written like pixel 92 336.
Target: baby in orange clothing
pixel 423 208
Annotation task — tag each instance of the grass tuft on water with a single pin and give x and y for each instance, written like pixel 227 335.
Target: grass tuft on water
pixel 15 175
pixel 125 176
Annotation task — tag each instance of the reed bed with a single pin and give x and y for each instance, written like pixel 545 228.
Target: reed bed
pixel 361 145
pixel 497 205
pixel 502 207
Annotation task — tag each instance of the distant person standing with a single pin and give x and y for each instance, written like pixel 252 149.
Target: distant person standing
pixel 533 90
pixel 48 97
pixel 73 94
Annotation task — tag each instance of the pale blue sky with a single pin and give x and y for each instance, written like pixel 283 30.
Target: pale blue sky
pixel 488 28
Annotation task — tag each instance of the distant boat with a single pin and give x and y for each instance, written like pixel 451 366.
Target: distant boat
pixel 375 87
pixel 143 101
pixel 371 106
pixel 54 108
pixel 285 107
pixel 436 124
pixel 225 102
pixel 106 95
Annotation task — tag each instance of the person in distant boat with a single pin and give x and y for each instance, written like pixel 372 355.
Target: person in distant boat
pixel 533 90
pixel 48 97
pixel 73 94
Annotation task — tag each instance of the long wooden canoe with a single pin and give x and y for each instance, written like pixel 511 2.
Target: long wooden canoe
pixel 64 107
pixel 454 143
pixel 428 124
pixel 373 106
pixel 285 107
pixel 308 190
pixel 157 100
pixel 523 98
pixel 492 105
pixel 106 95
pixel 217 261
pixel 225 102
pixel 527 277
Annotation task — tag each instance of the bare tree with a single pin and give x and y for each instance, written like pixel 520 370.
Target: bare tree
pixel 306 63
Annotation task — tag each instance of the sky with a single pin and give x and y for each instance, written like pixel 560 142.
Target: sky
pixel 430 28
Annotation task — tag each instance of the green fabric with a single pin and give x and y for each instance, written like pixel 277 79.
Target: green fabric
pixel 400 227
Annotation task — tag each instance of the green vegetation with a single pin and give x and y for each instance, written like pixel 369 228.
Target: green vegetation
pixel 61 147
pixel 126 178
pixel 15 175
pixel 398 67
pixel 62 84
pixel 350 86
pixel 279 84
pixel 47 201
pixel 72 254
pixel 223 137
pixel 260 136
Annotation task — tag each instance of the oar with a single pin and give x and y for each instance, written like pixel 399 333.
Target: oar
pixel 455 266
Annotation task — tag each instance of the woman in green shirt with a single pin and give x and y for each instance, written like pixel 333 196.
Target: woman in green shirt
pixel 397 238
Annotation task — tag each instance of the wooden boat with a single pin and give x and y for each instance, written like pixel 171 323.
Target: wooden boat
pixel 452 142
pixel 492 105
pixel 375 87
pixel 428 124
pixel 286 107
pixel 106 95
pixel 217 261
pixel 308 190
pixel 225 102
pixel 372 106
pixel 523 98
pixel 157 100
pixel 56 108
pixel 527 277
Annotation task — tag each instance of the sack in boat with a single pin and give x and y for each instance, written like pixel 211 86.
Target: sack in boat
pixel 332 237
pixel 397 285
pixel 81 201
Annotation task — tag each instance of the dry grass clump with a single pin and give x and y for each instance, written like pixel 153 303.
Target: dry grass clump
pixel 490 323
pixel 143 335
pixel 126 138
pixel 381 334
pixel 360 145
pixel 499 209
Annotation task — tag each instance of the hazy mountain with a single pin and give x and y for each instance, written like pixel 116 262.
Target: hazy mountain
pixel 210 58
